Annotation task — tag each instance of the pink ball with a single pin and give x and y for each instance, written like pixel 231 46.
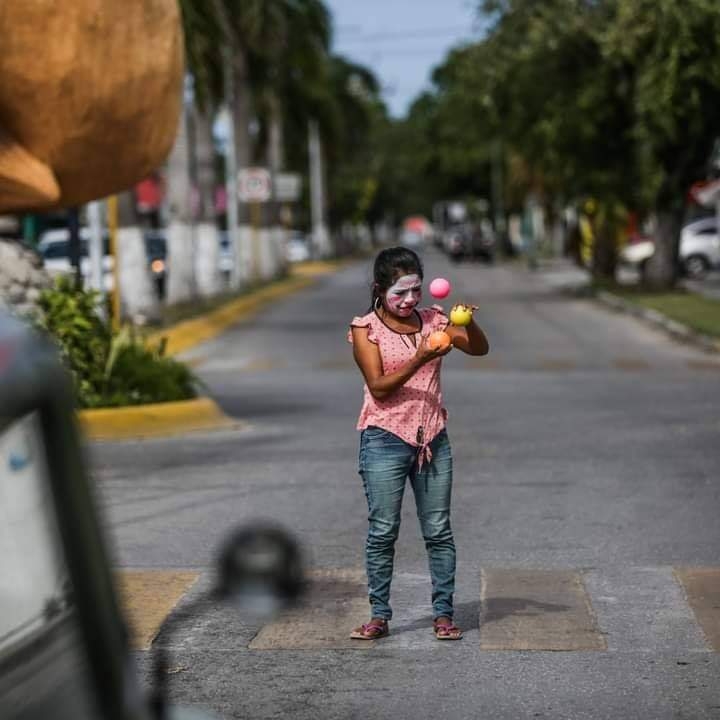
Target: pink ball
pixel 439 288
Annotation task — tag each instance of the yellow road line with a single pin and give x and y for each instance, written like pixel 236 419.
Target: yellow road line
pixel 147 597
pixel 536 610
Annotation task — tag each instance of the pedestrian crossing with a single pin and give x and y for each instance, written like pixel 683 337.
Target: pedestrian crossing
pixel 496 363
pixel 629 609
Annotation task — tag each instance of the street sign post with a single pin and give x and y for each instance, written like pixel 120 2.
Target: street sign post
pixel 254 188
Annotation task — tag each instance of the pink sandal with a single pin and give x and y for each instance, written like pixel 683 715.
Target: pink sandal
pixel 371 631
pixel 447 631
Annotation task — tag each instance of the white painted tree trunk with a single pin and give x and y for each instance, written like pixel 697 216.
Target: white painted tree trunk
pixel 180 232
pixel 207 266
pixel 138 299
pixel 243 153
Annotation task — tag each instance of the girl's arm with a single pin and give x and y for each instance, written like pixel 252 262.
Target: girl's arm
pixel 470 338
pixel 367 356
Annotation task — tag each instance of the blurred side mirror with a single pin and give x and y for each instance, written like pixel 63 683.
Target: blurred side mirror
pixel 259 572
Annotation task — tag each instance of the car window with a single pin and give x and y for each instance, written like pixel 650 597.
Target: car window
pixel 44 670
pixel 55 250
pixel 33 583
pixel 155 246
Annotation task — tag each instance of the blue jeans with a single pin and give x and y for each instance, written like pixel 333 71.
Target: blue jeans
pixel 386 462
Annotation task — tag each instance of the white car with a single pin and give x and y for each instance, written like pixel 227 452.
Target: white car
pixel 699 248
pixel 54 247
pixel 296 248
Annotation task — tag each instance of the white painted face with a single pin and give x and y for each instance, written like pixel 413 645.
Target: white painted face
pixel 404 295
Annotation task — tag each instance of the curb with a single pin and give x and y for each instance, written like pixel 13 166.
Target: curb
pixel 676 330
pixel 139 422
pixel 189 333
pixel 158 420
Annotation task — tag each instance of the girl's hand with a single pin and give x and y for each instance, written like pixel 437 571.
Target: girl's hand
pixel 425 353
pixel 461 314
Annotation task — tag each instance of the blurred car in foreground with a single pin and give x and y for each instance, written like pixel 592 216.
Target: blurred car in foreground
pixel 64 643
pixel 699 250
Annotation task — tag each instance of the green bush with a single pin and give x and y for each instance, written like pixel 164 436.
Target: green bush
pixel 109 369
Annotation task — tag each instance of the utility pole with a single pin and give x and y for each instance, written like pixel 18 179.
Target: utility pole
pixel 74 245
pixel 320 240
pixel 112 221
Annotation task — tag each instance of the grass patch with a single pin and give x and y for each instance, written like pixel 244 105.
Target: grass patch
pixel 700 313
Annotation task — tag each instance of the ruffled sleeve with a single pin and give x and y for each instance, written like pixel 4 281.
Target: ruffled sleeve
pixel 364 321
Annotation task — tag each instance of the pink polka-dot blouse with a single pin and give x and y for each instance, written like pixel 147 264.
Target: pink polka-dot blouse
pixel 414 412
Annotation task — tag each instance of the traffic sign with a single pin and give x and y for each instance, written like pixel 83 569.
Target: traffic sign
pixel 254 185
pixel 288 187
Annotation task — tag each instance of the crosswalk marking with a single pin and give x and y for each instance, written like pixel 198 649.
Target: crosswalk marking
pixel 643 609
pixel 702 588
pixel 620 609
pixel 147 597
pixel 536 610
pixel 337 602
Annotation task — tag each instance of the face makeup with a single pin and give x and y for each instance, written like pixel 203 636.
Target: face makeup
pixel 404 295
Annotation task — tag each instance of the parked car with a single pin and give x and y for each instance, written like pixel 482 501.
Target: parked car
pixel 297 248
pixel 226 257
pixel 699 250
pixel 156 250
pixel 412 239
pixel 54 248
pixel 470 241
pixel 700 247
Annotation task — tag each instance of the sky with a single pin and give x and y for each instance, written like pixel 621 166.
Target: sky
pixel 401 40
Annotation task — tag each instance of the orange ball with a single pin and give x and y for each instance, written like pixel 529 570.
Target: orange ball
pixel 439 340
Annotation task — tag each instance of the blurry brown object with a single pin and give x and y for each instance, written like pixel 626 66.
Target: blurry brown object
pixel 90 95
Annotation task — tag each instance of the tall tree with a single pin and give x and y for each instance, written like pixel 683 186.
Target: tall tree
pixel 674 50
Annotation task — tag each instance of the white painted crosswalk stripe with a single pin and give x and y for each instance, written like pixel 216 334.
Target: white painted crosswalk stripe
pixel 643 609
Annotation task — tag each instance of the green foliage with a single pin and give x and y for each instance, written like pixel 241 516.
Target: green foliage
pixel 108 370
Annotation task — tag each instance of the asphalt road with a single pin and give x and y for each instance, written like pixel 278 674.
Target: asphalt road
pixel 586 484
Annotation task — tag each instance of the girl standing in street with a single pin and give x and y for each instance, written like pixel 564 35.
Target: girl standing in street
pixel 402 424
